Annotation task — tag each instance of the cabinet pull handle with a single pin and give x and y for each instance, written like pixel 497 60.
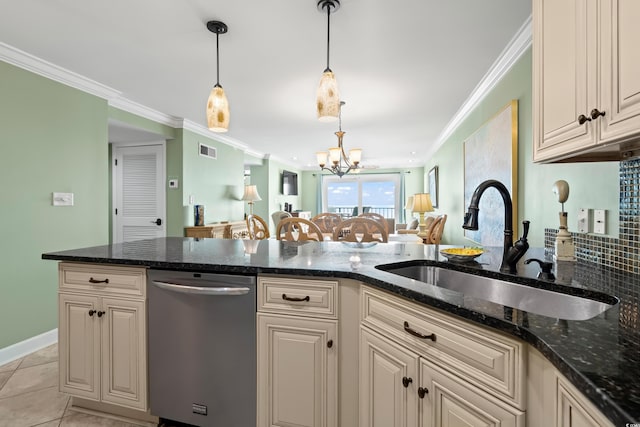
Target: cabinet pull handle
pixel 422 391
pixel 330 343
pixel 92 280
pixel 100 313
pixel 595 113
pixel 286 298
pixel 406 381
pixel 92 312
pixel 582 119
pixel 417 334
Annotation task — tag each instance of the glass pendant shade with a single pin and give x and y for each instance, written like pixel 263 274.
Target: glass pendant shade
pixel 218 110
pixel 328 98
pixel 355 154
pixel 322 158
pixel 334 154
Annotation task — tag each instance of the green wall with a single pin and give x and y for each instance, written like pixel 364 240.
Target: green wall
pixel 215 183
pixel 592 185
pixel 54 139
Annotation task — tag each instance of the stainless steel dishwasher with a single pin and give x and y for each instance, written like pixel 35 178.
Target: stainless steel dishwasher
pixel 202 348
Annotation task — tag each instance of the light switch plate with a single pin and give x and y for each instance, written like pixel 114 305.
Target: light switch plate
pixel 599 221
pixel 584 219
pixel 62 199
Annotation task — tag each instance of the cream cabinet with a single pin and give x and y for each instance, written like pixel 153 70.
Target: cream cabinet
pixel 554 402
pixel 419 367
pixel 297 352
pixel 586 79
pixel 102 334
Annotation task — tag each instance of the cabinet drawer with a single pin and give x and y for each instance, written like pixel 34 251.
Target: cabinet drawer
pixel 298 296
pixel 107 280
pixel 493 361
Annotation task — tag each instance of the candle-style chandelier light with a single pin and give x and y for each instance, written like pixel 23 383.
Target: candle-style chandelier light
pixel 341 164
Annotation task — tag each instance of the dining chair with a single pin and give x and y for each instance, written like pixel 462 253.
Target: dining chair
pixel 435 231
pixel 376 217
pixel 327 221
pixel 360 230
pixel 257 228
pixel 298 230
pixel 278 216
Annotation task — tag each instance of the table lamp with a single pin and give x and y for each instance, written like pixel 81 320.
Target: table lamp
pixel 251 195
pixel 422 204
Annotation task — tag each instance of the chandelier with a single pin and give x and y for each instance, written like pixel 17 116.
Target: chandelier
pixel 341 164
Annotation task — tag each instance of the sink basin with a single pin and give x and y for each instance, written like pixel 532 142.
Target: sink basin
pixel 533 300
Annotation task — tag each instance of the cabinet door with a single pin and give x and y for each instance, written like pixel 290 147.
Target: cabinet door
pixel 564 76
pixel 450 402
pixel 573 409
pixel 297 371
pixel 124 364
pixel 79 345
pixel 620 69
pixel 388 383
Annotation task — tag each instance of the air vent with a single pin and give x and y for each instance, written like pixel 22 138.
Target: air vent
pixel 207 151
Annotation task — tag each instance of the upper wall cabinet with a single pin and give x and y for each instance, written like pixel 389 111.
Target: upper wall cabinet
pixel 586 80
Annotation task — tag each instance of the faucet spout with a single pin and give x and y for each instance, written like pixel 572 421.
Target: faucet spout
pixel 471 217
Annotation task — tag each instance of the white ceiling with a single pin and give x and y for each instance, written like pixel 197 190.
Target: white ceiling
pixel 404 67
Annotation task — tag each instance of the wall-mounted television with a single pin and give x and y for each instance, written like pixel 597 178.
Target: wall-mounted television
pixel 289 183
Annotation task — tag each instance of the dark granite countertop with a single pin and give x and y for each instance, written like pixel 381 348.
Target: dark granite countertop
pixel 600 356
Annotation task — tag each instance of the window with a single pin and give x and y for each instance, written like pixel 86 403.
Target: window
pixel 352 195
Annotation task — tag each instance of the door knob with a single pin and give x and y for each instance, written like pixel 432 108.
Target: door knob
pixel 422 391
pixel 157 221
pixel 92 312
pixel 406 381
pixel 582 119
pixel 100 313
pixel 595 113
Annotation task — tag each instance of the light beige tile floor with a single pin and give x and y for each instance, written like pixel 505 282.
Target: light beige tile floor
pixel 29 395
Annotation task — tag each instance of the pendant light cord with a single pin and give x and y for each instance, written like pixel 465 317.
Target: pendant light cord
pixel 217 61
pixel 328 32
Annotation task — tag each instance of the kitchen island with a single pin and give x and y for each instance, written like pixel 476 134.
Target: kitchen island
pixel 600 356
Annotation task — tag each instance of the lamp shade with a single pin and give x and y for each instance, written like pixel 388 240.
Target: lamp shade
pixel 422 203
pixel 355 154
pixel 328 98
pixel 322 158
pixel 409 205
pixel 334 154
pixel 218 110
pixel 251 194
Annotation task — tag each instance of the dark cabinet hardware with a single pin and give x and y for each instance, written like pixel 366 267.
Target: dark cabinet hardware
pixel 417 334
pixel 422 391
pixel 406 381
pixel 330 343
pixel 92 280
pixel 582 119
pixel 286 298
pixel 157 221
pixel 100 313
pixel 595 113
pixel 92 312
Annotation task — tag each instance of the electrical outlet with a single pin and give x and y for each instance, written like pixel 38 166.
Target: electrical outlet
pixel 599 221
pixel 584 219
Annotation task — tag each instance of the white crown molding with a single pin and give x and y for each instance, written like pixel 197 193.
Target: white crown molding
pixel 516 47
pixel 143 111
pixel 24 60
pixel 220 137
pixel 22 348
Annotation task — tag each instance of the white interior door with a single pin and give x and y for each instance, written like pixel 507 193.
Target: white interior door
pixel 139 204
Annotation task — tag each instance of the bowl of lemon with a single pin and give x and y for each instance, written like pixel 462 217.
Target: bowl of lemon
pixel 461 254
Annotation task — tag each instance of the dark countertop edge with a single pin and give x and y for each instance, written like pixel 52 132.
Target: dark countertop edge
pixel 597 396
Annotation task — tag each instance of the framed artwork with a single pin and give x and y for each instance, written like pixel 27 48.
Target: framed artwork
pixel 491 152
pixel 433 186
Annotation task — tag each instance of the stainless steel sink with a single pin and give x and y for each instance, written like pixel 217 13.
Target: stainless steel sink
pixel 534 300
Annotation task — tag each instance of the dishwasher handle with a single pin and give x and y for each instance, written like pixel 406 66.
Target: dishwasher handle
pixel 202 290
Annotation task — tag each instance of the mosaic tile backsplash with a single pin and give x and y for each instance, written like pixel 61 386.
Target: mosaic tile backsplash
pixel 622 253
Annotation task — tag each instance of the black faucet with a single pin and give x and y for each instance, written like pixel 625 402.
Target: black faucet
pixel 510 255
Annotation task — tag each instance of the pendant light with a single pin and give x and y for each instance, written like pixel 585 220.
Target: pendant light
pixel 328 96
pixel 217 105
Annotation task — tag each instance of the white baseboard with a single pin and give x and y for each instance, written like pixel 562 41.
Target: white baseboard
pixel 22 348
